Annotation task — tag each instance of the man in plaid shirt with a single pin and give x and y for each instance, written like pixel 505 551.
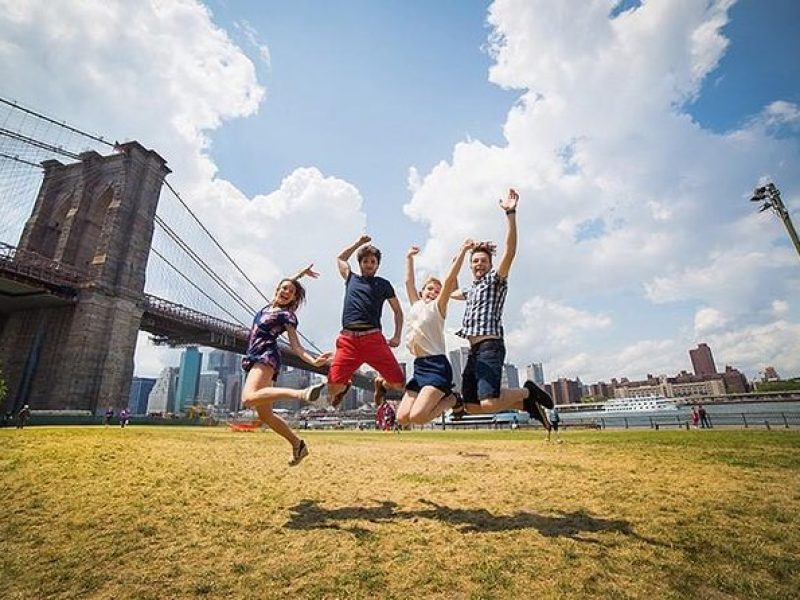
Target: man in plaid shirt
pixel 482 326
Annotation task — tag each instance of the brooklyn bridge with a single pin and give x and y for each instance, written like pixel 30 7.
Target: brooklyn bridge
pixel 87 224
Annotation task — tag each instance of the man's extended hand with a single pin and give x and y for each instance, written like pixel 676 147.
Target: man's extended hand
pixel 510 203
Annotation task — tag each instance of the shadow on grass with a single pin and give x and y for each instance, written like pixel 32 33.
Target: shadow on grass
pixel 310 515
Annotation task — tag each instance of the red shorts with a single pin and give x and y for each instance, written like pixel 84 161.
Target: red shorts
pixel 354 351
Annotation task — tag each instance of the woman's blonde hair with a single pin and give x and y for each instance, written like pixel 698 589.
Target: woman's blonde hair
pixel 431 279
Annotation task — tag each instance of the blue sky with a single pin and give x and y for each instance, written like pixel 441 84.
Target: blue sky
pixel 363 90
pixel 634 132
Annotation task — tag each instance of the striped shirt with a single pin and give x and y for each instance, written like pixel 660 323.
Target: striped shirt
pixel 484 312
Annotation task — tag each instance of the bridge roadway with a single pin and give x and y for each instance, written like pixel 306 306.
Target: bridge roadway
pixel 29 280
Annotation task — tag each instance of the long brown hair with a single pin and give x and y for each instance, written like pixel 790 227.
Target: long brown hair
pixel 299 294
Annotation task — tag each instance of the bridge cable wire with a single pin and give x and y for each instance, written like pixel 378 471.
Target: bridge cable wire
pixel 190 282
pixel 203 265
pixel 236 266
pixel 96 138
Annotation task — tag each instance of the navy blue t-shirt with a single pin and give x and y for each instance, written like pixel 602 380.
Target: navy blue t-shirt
pixel 363 300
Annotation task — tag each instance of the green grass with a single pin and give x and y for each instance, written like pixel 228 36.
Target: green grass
pixel 149 512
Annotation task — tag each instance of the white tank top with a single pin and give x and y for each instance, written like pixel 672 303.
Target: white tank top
pixel 425 329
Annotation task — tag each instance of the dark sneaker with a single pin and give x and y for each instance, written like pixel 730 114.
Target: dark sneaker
pixel 542 416
pixel 538 395
pixel 459 408
pixel 298 454
pixel 311 394
pixel 337 399
pixel 380 392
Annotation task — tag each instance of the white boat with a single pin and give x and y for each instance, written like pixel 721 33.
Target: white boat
pixel 644 404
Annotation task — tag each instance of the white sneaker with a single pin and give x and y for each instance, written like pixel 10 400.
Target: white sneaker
pixel 312 393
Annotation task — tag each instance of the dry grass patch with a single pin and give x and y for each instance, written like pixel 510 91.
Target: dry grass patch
pixel 179 512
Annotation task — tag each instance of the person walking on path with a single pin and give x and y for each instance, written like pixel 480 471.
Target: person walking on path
pixel 23 416
pixel 263 360
pixel 705 422
pixel 555 421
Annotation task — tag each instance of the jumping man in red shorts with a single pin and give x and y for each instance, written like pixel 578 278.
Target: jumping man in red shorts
pixel 361 340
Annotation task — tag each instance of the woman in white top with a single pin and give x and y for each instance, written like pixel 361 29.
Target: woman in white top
pixel 430 391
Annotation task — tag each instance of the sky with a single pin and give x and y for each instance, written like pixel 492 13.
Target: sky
pixel 634 132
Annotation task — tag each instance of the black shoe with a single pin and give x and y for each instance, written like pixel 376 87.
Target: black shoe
pixel 298 454
pixel 538 395
pixel 459 408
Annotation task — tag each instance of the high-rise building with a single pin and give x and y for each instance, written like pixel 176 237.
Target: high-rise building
pixel 233 391
pixel 735 381
pixel 566 391
pixel 458 360
pixel 207 387
pixel 188 378
pixel 140 392
pixel 510 378
pixel 162 396
pixel 601 389
pixel 535 373
pixel 702 360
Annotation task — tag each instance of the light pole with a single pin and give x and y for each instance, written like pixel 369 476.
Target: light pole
pixel 771 198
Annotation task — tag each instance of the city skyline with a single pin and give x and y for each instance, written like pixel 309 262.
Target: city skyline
pixel 223 366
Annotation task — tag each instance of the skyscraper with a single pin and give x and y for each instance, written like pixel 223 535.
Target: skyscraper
pixel 535 373
pixel 458 359
pixel 702 360
pixel 162 396
pixel 188 378
pixel 510 378
pixel 140 392
pixel 566 391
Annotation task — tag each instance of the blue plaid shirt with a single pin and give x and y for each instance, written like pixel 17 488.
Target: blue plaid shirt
pixel 484 312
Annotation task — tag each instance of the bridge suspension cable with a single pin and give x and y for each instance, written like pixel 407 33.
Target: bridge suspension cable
pixel 27 138
pixel 195 286
pixel 203 265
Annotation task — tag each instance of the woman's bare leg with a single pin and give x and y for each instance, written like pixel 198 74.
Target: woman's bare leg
pixel 430 403
pixel 259 395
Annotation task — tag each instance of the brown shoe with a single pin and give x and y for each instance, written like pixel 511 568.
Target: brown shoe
pixel 380 391
pixel 298 454
pixel 337 399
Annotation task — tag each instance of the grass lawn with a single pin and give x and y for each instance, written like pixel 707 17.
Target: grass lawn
pixel 173 512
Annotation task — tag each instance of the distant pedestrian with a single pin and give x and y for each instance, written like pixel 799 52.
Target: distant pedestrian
pixel 23 416
pixel 695 417
pixel 705 422
pixel 555 421
pixel 108 416
pixel 124 417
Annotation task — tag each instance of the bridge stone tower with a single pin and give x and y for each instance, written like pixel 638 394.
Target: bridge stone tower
pixel 95 216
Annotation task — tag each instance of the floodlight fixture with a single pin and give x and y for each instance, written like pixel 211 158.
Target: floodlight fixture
pixel 770 195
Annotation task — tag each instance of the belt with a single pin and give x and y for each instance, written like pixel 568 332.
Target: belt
pixel 359 333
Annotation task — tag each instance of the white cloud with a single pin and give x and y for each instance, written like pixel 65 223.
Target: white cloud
pixel 780 308
pixel 252 37
pixel 707 320
pixel 600 136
